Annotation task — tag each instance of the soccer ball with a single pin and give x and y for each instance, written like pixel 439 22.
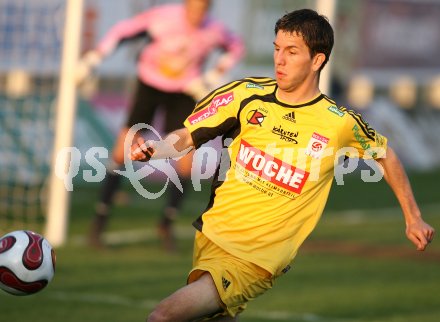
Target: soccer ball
pixel 27 262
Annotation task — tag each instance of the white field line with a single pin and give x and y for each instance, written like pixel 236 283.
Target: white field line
pixel 149 304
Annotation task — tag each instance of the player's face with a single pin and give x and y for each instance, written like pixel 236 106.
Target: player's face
pixel 293 63
pixel 196 11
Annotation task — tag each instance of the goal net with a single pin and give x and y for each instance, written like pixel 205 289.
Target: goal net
pixel 30 45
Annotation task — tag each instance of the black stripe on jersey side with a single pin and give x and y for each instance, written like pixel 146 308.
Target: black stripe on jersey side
pixel 204 134
pixel 198 223
pixel 369 132
pixel 234 130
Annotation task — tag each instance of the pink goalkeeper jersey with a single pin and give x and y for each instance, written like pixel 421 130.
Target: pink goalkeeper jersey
pixel 177 51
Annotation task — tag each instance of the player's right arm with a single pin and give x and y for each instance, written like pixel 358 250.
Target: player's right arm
pixel 176 144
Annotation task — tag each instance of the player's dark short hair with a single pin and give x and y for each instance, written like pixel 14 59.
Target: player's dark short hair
pixel 313 27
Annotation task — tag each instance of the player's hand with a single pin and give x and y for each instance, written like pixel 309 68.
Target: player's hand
pixel 141 150
pixel 86 64
pixel 201 86
pixel 420 234
pixel 197 89
pixel 213 78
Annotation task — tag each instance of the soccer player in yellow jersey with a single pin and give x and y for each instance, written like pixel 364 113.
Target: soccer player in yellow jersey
pixel 284 139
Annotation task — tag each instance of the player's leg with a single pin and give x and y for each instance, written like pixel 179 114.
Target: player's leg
pixel 190 303
pixel 173 204
pixel 109 186
pixel 219 287
pixel 140 111
pixel 178 106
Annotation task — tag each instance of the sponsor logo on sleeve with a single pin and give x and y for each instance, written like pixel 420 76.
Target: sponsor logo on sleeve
pixel 212 109
pixel 375 151
pixel 316 145
pixel 380 140
pixel 361 139
pixel 336 111
pixel 253 85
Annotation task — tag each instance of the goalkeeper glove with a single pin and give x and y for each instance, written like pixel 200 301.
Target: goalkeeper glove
pixel 86 64
pixel 213 78
pixel 201 86
pixel 197 89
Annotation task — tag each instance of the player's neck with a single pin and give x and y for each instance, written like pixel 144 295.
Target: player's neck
pixel 299 95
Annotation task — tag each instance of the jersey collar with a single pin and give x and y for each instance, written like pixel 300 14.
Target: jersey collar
pixel 284 104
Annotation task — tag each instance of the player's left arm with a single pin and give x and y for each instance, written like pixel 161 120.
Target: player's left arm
pixel 417 230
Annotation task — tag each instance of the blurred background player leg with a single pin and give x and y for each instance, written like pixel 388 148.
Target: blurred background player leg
pixel 110 185
pixel 177 107
pixel 144 105
pixel 173 204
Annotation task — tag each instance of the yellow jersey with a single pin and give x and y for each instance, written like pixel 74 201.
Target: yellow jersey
pixel 280 164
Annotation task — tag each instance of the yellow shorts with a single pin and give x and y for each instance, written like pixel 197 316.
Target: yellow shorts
pixel 237 280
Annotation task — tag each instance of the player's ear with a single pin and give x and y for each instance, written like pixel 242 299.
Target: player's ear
pixel 318 60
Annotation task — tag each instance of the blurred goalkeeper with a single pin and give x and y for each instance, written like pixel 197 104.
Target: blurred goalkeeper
pixel 170 77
